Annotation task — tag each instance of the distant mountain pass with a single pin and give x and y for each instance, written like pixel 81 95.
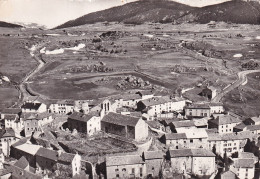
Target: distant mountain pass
pixel 236 11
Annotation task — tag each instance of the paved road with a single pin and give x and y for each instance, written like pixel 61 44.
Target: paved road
pixel 242 79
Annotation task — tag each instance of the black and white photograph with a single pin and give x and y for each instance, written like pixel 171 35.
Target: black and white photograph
pixel 129 89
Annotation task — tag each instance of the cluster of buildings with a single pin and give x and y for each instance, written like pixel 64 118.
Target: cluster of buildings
pixel 188 139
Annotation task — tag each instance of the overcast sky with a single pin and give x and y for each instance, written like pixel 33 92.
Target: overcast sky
pixel 55 12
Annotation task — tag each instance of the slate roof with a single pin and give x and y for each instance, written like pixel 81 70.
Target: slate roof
pixel 8 132
pixel 156 101
pixel 47 153
pixel 120 119
pixel 244 163
pixel 229 174
pixel 28 148
pixel 153 155
pixel 11 111
pixel 22 163
pixel 247 155
pixel 253 127
pixel 191 152
pixel 229 136
pixel 186 123
pixel 21 174
pixel 240 126
pixel 198 106
pixel 225 119
pixel 34 106
pixel 175 136
pixel 80 116
pixel 66 157
pixel 10 116
pixel 123 159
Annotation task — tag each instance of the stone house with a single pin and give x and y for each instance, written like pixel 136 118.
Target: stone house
pixel 46 161
pixel 197 111
pixel 125 166
pixel 7 138
pixel 86 123
pixel 29 107
pixel 61 106
pixel 184 124
pixel 11 111
pixel 158 105
pixel 199 162
pixel 125 126
pixel 154 161
pixel 69 163
pixel 243 168
pixel 224 123
pixel 216 108
pixel 252 121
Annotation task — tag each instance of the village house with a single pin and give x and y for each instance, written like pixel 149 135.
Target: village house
pixel 224 123
pixel 190 138
pixel 199 162
pixel 126 100
pixel 22 163
pixel 154 162
pixel 167 123
pixel 25 150
pixel 185 124
pixel 243 168
pixel 228 143
pixel 46 161
pixel 31 125
pixel 255 129
pixel 228 175
pixel 252 121
pixel 14 122
pixel 216 108
pixel 197 111
pixel 17 172
pixel 61 106
pixel 7 138
pixel 86 123
pixel 158 105
pixel 209 92
pixel 125 126
pixel 68 163
pixel 201 122
pixel 125 166
pixel 146 94
pixel 15 112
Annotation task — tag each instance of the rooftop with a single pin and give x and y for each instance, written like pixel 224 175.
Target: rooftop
pixel 186 123
pixel 123 160
pixel 33 148
pixel 153 155
pixel 80 116
pixel 225 119
pixel 11 111
pixel 47 153
pixel 194 133
pixel 66 157
pixel 198 106
pixel 253 127
pixel 120 119
pixel 191 152
pixel 244 163
pixel 34 106
pixel 22 163
pixel 158 100
pixel 256 119
pixel 175 136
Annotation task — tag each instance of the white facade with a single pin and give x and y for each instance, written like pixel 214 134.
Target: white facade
pixel 217 109
pixel 16 125
pixel 166 107
pixel 76 165
pixel 226 128
pixel 93 125
pixel 61 108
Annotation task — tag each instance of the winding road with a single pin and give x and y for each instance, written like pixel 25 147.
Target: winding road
pixel 242 80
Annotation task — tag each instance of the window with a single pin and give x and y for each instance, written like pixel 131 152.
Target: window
pixel 133 170
pixel 141 172
pixel 124 169
pixel 190 113
pixel 191 141
pixel 116 170
pixel 201 114
pixel 200 139
pixel 117 175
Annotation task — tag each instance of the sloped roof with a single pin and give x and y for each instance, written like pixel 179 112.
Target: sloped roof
pixel 198 106
pixel 175 136
pixel 225 119
pixel 8 132
pixel 191 152
pixel 153 155
pixel 43 115
pixel 34 106
pixel 80 116
pixel 194 133
pixel 20 173
pixel 229 174
pixel 22 163
pixel 120 119
pixel 244 163
pixel 255 119
pixel 10 116
pixel 201 122
pixel 47 153
pixel 66 157
pixel 240 126
pixel 28 148
pixel 247 155
pixel 230 136
pixel 145 92
pixel 156 101
pixel 186 123
pixel 11 111
pixel 123 159
pixel 253 127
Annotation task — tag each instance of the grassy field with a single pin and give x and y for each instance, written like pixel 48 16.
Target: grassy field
pixel 245 100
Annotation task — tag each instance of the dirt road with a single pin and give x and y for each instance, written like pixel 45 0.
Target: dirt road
pixel 242 80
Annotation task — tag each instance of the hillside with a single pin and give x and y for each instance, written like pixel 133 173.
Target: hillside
pixel 10 25
pixel 235 11
pixel 136 12
pixel 163 11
